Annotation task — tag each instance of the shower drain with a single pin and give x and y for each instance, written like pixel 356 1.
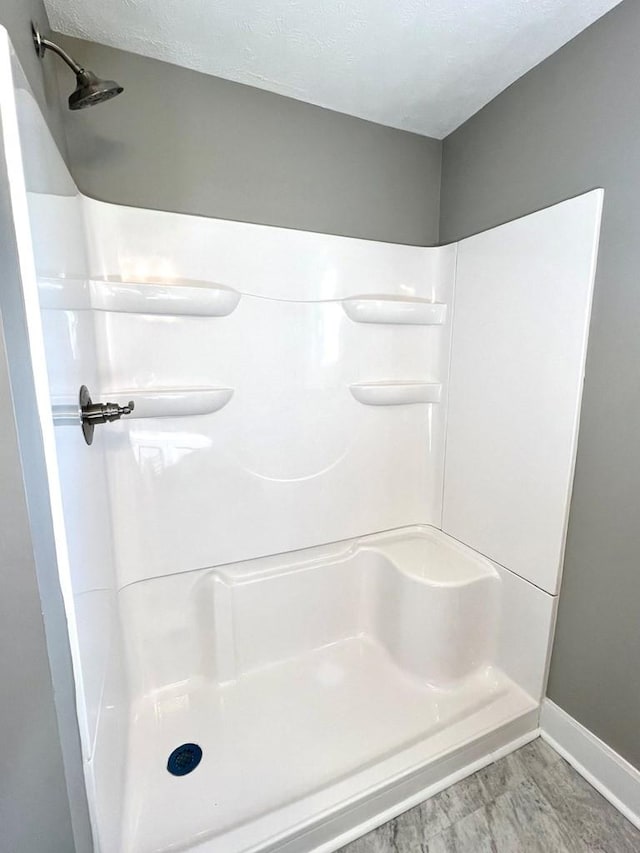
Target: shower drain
pixel 184 759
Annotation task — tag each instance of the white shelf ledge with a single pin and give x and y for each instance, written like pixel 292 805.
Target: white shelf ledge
pixel 171 402
pixel 174 297
pixel 401 310
pixel 396 393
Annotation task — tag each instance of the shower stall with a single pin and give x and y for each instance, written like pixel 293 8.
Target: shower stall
pixel 311 577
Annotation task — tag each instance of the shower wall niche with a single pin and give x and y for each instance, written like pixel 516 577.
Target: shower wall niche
pixel 326 545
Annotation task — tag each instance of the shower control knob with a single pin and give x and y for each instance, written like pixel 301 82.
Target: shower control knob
pixel 99 413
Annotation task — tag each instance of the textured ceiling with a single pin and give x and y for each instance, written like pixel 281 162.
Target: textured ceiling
pixel 420 65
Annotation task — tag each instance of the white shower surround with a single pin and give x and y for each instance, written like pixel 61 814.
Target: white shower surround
pixel 342 646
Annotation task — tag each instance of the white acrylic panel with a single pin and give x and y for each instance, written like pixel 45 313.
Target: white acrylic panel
pixel 521 319
pixel 70 350
pixel 525 626
pixel 294 459
pixel 138 244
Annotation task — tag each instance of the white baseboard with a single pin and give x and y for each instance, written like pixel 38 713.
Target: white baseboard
pixel 609 773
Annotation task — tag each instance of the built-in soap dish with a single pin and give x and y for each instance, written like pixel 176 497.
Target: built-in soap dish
pixel 396 393
pixel 399 310
pixel 178 297
pixel 172 402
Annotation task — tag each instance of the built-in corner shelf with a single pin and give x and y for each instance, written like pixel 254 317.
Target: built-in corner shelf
pixel 396 393
pixel 175 297
pixel 171 402
pixel 401 310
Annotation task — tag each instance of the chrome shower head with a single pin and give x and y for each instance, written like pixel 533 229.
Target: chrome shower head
pixel 92 90
pixel 89 89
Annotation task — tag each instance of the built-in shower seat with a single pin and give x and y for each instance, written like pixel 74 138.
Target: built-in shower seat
pixel 300 671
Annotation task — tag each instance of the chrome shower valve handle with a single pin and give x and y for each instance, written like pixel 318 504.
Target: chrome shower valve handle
pixel 99 413
pixel 102 413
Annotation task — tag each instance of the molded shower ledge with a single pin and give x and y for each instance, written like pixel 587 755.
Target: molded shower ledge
pixel 172 402
pixel 174 297
pixel 396 392
pixel 396 310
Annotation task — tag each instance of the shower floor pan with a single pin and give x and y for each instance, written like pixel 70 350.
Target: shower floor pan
pixel 330 685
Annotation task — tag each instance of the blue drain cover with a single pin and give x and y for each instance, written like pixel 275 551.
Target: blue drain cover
pixel 184 759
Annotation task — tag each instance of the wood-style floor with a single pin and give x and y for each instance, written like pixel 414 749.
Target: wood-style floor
pixel 532 801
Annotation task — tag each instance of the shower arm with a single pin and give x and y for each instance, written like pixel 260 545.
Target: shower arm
pixel 90 89
pixel 43 44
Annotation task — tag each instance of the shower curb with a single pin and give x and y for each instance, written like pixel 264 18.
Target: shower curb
pixel 371 811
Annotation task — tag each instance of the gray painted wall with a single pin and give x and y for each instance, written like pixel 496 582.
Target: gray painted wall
pixel 35 810
pixel 188 142
pixel 16 17
pixel 571 124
